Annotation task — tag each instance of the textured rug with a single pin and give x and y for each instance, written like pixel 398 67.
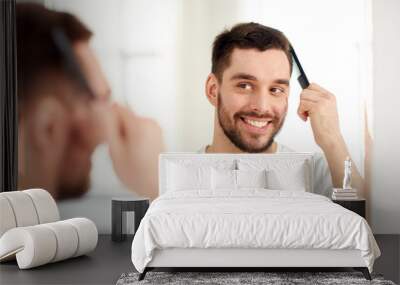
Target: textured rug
pixel 225 278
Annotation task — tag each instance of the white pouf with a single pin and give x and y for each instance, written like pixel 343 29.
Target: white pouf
pixel 46 207
pixel 31 232
pixel 7 220
pixel 23 208
pixel 40 244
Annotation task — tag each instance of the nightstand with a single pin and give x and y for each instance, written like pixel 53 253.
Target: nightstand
pixel 357 206
pixel 120 205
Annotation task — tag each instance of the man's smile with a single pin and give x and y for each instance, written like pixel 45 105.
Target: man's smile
pixel 256 125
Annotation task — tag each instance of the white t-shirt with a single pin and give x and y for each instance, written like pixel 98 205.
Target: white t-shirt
pixel 322 176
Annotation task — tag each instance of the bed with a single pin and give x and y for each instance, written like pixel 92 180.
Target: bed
pixel 245 211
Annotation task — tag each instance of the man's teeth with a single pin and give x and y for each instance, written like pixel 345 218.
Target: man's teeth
pixel 257 124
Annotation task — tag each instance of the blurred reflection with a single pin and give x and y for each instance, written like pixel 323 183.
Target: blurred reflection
pixel 60 124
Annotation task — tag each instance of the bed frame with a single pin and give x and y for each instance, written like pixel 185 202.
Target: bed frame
pixel 250 259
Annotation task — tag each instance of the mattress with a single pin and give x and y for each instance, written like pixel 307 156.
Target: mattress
pixel 250 219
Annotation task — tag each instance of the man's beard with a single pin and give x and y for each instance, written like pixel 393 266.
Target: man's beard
pixel 234 134
pixel 75 190
pixel 73 183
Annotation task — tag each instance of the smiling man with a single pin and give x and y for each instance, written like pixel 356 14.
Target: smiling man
pixel 249 88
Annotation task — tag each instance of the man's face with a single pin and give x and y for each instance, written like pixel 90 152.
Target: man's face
pixel 253 98
pixel 74 179
pixel 55 149
pixel 87 125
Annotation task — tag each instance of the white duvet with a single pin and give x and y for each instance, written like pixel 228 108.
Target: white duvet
pixel 251 218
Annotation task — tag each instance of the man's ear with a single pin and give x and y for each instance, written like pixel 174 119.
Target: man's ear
pixel 48 126
pixel 212 89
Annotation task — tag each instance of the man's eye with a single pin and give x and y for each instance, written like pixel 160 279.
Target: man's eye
pixel 245 86
pixel 277 91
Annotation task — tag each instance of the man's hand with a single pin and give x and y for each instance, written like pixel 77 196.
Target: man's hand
pixel 320 105
pixel 134 144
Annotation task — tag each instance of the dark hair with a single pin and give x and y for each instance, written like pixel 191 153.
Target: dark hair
pixel 39 60
pixel 246 36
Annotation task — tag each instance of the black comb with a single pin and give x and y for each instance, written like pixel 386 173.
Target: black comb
pixel 302 79
pixel 70 62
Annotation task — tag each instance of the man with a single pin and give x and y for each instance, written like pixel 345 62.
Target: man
pixel 249 88
pixel 61 123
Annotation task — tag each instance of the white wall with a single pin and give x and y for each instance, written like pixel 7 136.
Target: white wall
pixel 385 192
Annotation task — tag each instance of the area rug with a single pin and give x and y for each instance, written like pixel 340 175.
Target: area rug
pixel 225 278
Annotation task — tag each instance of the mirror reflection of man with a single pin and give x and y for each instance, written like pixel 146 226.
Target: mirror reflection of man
pixel 60 125
pixel 249 88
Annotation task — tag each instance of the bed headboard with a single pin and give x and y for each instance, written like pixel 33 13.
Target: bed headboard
pixel 224 159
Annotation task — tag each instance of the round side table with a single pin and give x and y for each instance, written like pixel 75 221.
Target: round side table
pixel 120 205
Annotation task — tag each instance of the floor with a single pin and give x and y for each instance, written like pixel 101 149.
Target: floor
pixel 111 259
pixel 389 262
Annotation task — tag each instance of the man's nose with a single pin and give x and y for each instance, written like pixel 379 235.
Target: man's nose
pixel 261 102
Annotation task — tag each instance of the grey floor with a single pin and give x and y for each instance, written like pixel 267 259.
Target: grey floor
pixel 110 260
pixel 389 262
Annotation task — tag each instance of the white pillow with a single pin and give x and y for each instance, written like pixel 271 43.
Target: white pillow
pixel 292 179
pixel 181 177
pixel 223 179
pixel 251 178
pixel 281 174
